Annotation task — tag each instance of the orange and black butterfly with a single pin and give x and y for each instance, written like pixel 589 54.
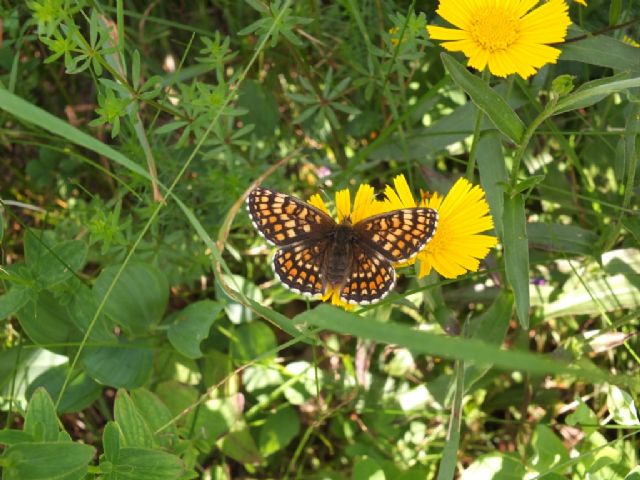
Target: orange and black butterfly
pixel 316 254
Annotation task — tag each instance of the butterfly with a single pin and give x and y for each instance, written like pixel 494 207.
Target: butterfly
pixel 315 253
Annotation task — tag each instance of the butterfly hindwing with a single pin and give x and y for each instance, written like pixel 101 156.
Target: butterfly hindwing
pixel 371 278
pixel 298 267
pixel 400 234
pixel 285 220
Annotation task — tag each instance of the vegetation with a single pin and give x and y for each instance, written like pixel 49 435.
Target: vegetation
pixel 143 332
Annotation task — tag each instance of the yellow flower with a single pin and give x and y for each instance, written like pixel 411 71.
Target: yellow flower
pixel 364 205
pixel 506 35
pixel 581 2
pixel 457 246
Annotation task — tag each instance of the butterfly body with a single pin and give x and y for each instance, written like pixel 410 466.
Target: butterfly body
pixel 316 254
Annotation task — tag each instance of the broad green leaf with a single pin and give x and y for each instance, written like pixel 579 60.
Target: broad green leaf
pixel 516 254
pixel 492 173
pixel 240 445
pixel 13 300
pixel 53 263
pixel 46 322
pixel 155 414
pixel 622 407
pixel 548 449
pixel 81 391
pixel 367 469
pixel 191 325
pixel 633 474
pixel 594 91
pixel 10 437
pixel 47 461
pixel 561 238
pixel 252 340
pixel 41 420
pixel 139 298
pixel 262 108
pixel 603 51
pixel 111 441
pixel 279 430
pixel 147 464
pixel 126 364
pixel 583 417
pixel 135 431
pixel 486 99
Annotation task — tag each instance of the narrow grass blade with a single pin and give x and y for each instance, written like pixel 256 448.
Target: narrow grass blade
pixel 516 254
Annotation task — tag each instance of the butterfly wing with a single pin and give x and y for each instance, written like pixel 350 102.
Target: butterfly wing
pixel 371 278
pixel 285 220
pixel 298 267
pixel 398 235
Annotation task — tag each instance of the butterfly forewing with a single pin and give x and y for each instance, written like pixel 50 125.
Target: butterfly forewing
pixel 298 267
pixel 371 278
pixel 400 234
pixel 285 220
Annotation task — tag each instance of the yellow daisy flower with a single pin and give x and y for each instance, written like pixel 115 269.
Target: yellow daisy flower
pixel 506 35
pixel 364 205
pixel 457 246
pixel 581 2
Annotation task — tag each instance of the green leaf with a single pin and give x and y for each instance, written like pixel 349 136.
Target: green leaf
pixel 486 99
pixel 13 300
pixel 11 437
pixel 111 441
pixel 191 326
pixel 127 364
pixel 603 51
pixel 46 322
pixel 262 108
pixel 594 91
pixel 53 263
pixel 493 174
pixel 622 407
pixel 633 474
pixel 583 417
pixel 147 464
pixel 548 449
pixel 41 420
pixel 561 238
pixel 135 431
pixel 279 430
pixel 367 469
pixel 516 254
pixel 47 461
pixel 139 298
pixel 252 340
pixel 240 446
pixel 155 414
pixel 467 349
pixel 81 391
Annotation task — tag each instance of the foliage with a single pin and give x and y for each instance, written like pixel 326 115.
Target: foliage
pixel 143 334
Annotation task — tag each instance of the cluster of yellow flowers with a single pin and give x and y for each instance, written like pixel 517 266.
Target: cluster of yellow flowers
pixel 508 36
pixel 458 244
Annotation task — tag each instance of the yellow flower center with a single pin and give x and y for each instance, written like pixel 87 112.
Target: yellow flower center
pixel 495 29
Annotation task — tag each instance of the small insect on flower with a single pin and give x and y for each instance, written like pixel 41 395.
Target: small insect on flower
pixel 350 260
